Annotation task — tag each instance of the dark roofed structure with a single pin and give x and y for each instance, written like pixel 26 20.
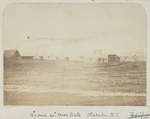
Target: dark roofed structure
pixel 12 55
pixel 27 57
pixel 113 58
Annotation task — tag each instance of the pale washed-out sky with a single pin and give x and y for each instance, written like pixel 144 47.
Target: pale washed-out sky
pixel 75 29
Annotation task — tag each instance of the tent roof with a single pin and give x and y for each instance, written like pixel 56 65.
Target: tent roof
pixel 10 53
pixel 130 58
pixel 123 58
pixel 96 53
pixel 36 57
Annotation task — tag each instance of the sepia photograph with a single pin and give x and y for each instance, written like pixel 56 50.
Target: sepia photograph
pixel 74 54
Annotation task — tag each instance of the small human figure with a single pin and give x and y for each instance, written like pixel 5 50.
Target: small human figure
pixel 90 59
pixel 99 60
pixel 67 58
pixel 102 59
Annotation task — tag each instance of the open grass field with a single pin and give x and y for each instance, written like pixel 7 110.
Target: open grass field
pixel 39 82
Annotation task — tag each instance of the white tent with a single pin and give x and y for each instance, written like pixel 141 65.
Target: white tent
pixel 130 59
pixel 136 58
pixel 87 58
pixel 95 55
pixel 49 57
pixel 142 57
pixel 123 58
pixel 37 57
pixel 52 57
pixel 105 59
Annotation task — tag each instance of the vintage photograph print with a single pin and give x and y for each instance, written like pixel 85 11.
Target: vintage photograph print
pixel 75 54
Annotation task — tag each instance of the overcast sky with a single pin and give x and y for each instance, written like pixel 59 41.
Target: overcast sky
pixel 75 29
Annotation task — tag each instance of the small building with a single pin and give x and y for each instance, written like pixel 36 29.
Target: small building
pixel 113 58
pixel 12 55
pixel 27 57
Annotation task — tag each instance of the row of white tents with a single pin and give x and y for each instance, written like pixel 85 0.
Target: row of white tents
pixel 93 57
pixel 44 57
pixel 132 58
pixel 49 57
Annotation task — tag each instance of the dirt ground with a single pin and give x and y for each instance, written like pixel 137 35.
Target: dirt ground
pixel 34 82
pixel 61 99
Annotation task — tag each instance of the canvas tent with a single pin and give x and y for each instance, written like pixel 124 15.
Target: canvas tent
pixel 12 55
pixel 136 57
pixel 49 57
pixel 96 56
pixel 85 58
pixel 141 57
pixel 105 59
pixel 123 58
pixel 36 57
pixel 130 59
pixel 46 57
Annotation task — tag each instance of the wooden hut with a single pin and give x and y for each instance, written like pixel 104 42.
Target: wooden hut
pixel 113 58
pixel 12 55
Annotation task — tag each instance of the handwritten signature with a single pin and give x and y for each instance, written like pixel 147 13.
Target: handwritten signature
pixel 140 115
